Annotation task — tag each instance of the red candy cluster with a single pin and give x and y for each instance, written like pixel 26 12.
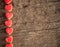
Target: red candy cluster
pixel 8 23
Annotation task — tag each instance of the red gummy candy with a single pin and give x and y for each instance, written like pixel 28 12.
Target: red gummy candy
pixel 8 23
pixel 9 31
pixel 8 15
pixel 8 1
pixel 9 45
pixel 8 7
pixel 9 39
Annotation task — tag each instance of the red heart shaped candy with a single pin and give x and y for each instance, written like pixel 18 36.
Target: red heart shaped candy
pixel 8 23
pixel 8 7
pixel 8 15
pixel 9 31
pixel 9 39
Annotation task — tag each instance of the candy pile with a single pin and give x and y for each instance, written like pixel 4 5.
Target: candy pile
pixel 8 22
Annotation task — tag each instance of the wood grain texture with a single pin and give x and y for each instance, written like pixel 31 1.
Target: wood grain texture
pixel 36 23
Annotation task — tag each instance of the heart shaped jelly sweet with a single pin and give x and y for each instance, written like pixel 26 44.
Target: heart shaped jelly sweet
pixel 8 23
pixel 9 39
pixel 8 15
pixel 8 7
pixel 9 31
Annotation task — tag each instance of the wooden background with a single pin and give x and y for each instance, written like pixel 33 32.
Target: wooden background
pixel 36 23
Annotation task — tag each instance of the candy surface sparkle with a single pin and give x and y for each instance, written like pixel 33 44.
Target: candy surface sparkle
pixel 8 15
pixel 8 7
pixel 9 39
pixel 7 1
pixel 9 31
pixel 9 45
pixel 8 23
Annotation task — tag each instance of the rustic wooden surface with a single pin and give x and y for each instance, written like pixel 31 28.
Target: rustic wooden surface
pixel 36 23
